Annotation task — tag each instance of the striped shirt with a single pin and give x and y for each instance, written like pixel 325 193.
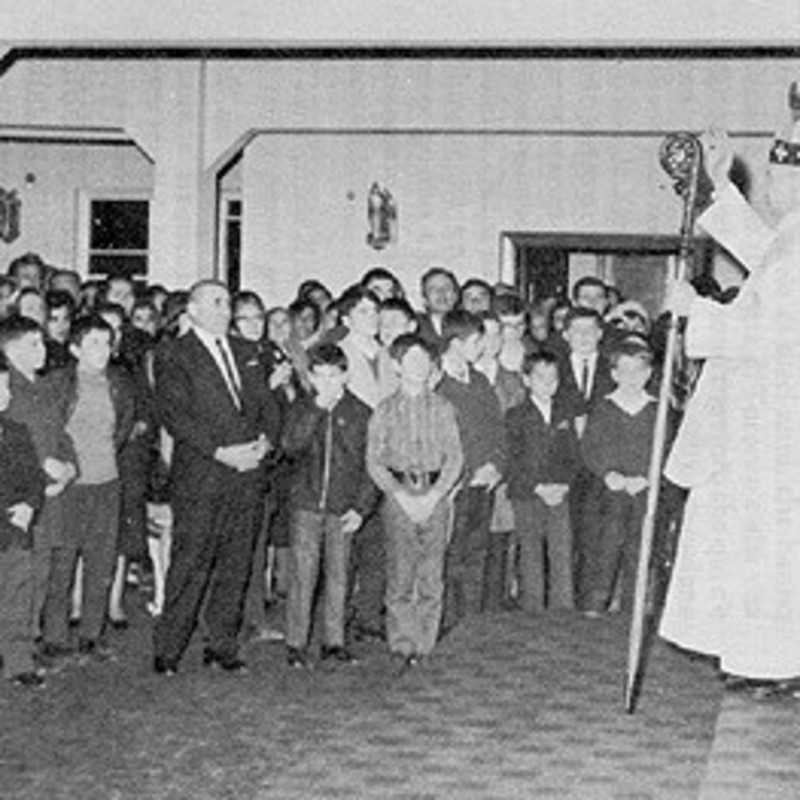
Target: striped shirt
pixel 414 434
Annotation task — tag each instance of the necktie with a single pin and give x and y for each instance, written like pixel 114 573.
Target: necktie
pixel 585 390
pixel 230 375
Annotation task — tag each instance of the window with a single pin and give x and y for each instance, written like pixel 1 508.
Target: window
pixel 118 236
pixel 230 240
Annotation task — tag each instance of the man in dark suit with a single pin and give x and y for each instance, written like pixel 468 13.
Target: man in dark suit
pixel 585 380
pixel 213 400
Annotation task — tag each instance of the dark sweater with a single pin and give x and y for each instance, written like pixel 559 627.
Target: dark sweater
pixel 21 481
pixel 304 438
pixel 538 452
pixel 480 421
pixel 616 441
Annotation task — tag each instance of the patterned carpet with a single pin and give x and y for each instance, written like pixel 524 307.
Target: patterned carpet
pixel 508 706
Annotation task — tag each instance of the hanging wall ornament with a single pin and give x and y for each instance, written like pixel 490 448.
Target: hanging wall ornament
pixel 10 206
pixel 381 217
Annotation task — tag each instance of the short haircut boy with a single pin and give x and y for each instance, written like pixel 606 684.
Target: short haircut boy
pixel 382 274
pixel 588 280
pixel 304 304
pixel 460 324
pixel 434 272
pixel 631 347
pixel 59 298
pixel 327 355
pixel 536 357
pixel 398 304
pixel 579 312
pixel 509 305
pixel 407 341
pixel 352 297
pixel 85 325
pixel 15 328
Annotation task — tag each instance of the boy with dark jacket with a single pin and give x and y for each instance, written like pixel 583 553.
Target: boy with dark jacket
pixel 21 495
pixel 331 496
pixel 40 405
pixel 543 447
pixel 480 426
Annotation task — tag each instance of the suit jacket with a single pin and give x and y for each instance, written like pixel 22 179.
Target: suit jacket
pixel 539 453
pixel 198 411
pixel 569 394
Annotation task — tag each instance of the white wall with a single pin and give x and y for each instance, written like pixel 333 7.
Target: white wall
pixel 51 203
pixel 305 200
pixel 548 165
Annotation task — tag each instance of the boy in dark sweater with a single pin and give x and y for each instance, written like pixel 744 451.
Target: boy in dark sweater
pixel 21 495
pixel 331 496
pixel 616 447
pixel 100 418
pixel 482 432
pixel 543 447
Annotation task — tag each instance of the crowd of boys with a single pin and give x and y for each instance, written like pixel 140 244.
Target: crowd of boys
pixel 422 467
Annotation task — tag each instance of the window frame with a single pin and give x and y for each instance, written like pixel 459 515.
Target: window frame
pixel 84 200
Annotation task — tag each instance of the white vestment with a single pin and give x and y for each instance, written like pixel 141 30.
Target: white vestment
pixel 735 587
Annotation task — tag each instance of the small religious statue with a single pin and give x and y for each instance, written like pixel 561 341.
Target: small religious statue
pixel 9 215
pixel 381 217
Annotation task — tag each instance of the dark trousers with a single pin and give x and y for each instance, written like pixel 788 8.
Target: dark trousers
pixel 48 534
pixel 544 530
pixel 466 554
pixel 134 465
pixel 615 549
pixel 91 515
pixel 585 498
pixel 16 594
pixel 367 581
pixel 255 606
pixel 317 536
pixel 212 543
pixel 495 569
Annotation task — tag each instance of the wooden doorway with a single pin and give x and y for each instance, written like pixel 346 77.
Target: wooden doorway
pixel 548 264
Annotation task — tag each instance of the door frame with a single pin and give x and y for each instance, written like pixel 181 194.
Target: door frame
pixel 512 244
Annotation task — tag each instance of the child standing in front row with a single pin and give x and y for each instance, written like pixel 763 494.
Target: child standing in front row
pixel 21 495
pixel 543 448
pixel 414 455
pixel 100 420
pixel 480 426
pixel 330 498
pixel 616 447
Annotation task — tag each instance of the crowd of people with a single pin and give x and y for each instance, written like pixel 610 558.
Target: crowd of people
pixel 404 469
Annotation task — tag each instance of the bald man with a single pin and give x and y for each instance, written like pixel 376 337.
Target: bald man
pixel 215 403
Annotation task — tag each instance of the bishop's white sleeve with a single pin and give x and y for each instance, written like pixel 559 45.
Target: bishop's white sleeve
pixel 737 227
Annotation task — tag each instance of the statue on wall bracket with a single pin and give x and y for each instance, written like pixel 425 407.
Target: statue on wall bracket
pixel 10 206
pixel 381 217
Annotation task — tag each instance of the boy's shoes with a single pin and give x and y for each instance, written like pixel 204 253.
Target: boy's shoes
pixel 92 650
pixel 212 658
pixel 53 656
pixel 120 624
pixel 297 658
pixel 337 653
pixel 162 666
pixel 366 633
pixel 29 680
